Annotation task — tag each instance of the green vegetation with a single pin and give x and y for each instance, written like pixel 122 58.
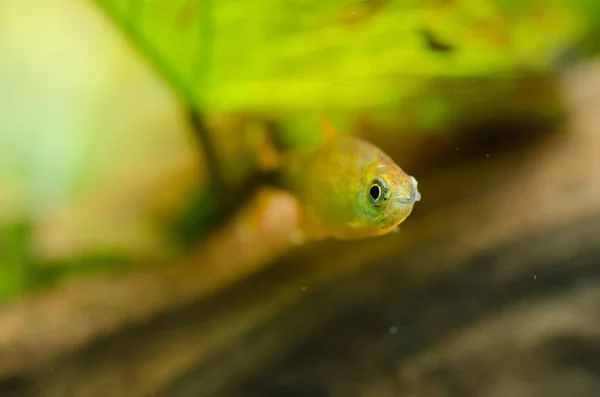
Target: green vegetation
pixel 298 55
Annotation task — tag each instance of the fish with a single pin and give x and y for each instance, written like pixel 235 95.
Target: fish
pixel 347 189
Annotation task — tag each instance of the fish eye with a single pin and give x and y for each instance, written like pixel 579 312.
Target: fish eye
pixel 378 191
pixel 375 192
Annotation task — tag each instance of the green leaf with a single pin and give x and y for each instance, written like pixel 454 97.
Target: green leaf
pixel 342 54
pixel 17 270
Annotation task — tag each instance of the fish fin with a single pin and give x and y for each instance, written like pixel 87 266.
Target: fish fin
pixel 396 230
pixel 327 128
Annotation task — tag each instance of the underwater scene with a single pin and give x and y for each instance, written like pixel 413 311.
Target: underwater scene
pixel 302 198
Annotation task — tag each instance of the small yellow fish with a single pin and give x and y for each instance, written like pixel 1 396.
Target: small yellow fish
pixel 348 189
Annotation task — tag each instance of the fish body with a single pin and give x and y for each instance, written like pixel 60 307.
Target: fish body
pixel 348 188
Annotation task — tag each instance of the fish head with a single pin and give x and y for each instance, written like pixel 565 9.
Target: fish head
pixel 386 195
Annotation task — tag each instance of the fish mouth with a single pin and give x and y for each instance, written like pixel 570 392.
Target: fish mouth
pixel 415 196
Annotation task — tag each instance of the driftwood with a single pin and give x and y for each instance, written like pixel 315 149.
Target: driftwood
pixel 490 289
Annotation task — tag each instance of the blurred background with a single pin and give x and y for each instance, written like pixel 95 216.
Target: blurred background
pixel 142 253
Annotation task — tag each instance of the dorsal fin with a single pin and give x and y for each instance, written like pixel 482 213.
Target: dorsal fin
pixel 329 132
